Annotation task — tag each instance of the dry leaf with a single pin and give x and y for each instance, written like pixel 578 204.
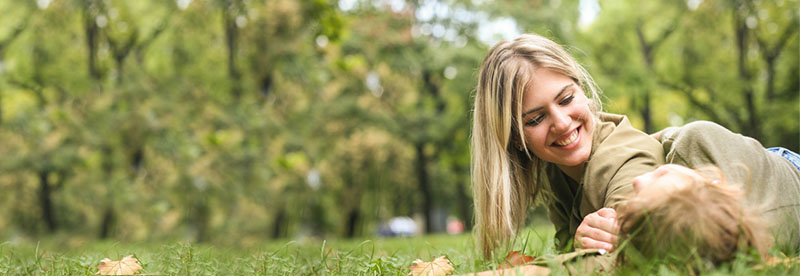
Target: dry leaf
pixel 127 266
pixel 515 258
pixel 438 267
pixel 774 261
pixel 580 262
pixel 526 270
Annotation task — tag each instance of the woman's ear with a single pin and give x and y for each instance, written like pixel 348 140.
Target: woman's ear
pixel 517 143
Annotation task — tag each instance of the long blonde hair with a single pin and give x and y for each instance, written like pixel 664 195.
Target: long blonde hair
pixel 506 178
pixel 701 220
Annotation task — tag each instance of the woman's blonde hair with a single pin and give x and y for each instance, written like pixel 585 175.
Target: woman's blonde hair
pixel 506 178
pixel 702 220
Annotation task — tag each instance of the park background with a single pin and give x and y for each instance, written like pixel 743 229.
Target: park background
pixel 235 122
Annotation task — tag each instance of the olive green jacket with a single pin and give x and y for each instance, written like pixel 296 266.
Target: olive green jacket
pixel 619 153
pixel 771 183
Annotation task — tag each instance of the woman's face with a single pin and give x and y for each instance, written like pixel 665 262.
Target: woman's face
pixel 557 121
pixel 665 179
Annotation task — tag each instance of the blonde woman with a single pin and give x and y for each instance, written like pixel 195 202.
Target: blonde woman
pixel 538 135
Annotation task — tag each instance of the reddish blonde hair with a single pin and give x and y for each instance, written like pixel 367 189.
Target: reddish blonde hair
pixel 704 219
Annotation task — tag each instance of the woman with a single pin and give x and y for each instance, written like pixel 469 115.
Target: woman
pixel 537 135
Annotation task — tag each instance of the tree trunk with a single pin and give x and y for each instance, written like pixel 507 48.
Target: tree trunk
pixel 92 33
pixel 120 68
pixel 109 219
pixel 464 206
pixel 137 158
pixel 770 79
pixel 46 202
pixel 201 218
pixel 752 128
pixel 433 88
pixel 278 224
pixel 352 222
pixel 266 84
pixel 231 34
pixel 424 186
pixel 648 121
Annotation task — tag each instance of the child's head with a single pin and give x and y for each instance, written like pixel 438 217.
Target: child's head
pixel 683 215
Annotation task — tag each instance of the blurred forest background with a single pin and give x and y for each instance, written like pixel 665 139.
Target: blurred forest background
pixel 239 121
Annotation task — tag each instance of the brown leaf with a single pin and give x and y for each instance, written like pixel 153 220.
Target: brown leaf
pixel 774 261
pixel 515 258
pixel 527 270
pixel 127 266
pixel 438 267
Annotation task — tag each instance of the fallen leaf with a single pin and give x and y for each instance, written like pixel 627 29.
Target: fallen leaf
pixel 127 266
pixel 438 267
pixel 515 258
pixel 580 262
pixel 526 270
pixel 774 261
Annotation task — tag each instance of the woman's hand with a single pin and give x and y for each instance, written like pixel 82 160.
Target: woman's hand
pixel 598 230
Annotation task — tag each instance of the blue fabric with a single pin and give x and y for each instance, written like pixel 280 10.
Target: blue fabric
pixel 788 154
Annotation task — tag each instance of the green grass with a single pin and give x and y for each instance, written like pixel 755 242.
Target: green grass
pixel 378 256
pixel 391 256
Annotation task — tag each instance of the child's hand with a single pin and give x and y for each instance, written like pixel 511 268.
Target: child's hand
pixel 598 230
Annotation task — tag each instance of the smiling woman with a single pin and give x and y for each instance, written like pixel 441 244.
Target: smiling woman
pixel 538 135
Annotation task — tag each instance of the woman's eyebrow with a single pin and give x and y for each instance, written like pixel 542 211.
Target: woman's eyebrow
pixel 564 89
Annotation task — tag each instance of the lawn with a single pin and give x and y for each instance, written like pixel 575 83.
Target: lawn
pixel 377 256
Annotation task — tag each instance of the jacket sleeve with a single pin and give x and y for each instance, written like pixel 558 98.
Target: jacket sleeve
pixel 620 187
pixel 558 210
pixel 558 215
pixel 624 157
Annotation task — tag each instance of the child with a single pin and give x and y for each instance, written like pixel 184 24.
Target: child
pixel 681 215
pixel 769 179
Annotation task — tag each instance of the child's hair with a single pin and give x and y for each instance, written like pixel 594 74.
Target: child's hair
pixel 703 220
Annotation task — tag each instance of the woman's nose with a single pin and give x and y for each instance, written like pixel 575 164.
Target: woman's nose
pixel 561 120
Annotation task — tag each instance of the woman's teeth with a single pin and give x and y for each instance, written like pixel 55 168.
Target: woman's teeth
pixel 572 137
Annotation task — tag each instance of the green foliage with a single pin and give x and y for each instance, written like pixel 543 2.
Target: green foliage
pixel 732 62
pixel 208 120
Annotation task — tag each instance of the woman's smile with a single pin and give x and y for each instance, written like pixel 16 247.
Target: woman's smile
pixel 569 140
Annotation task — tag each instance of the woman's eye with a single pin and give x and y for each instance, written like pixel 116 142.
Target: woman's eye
pixel 535 121
pixel 567 100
